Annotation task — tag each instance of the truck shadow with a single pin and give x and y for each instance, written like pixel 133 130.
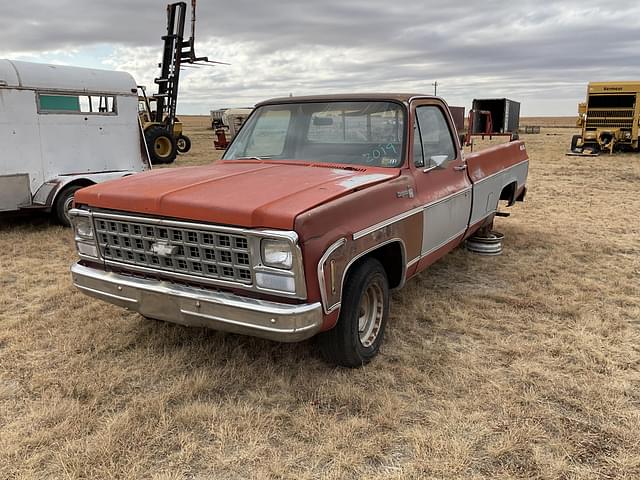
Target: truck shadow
pixel 25 220
pixel 417 320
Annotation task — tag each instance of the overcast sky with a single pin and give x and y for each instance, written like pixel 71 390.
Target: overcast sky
pixel 541 53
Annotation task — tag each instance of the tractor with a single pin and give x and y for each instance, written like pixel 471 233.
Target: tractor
pixel 163 144
pixel 162 130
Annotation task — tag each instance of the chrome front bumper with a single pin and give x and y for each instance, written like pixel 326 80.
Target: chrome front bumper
pixel 201 308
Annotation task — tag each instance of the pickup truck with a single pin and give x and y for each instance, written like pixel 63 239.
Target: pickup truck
pixel 317 209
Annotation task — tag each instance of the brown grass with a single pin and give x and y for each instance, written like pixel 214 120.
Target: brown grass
pixel 550 122
pixel 519 366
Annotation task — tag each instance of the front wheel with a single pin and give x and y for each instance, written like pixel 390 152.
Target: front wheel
pixel 357 337
pixel 161 144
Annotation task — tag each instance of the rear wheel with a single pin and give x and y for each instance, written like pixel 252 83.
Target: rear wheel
pixel 183 143
pixel 161 144
pixel 63 205
pixel 357 337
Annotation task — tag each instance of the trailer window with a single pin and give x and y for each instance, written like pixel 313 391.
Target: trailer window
pixel 59 103
pixel 91 104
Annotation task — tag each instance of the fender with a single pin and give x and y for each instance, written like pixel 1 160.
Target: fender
pixel 335 292
pixel 48 192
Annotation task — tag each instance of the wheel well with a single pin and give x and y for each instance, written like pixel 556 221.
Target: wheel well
pixel 391 256
pixel 509 193
pixel 81 182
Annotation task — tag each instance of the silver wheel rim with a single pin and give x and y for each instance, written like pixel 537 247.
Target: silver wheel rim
pixel 68 203
pixel 370 314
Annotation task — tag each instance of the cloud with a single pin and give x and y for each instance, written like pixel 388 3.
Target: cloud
pixel 541 53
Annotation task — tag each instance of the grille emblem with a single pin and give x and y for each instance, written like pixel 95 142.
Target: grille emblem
pixel 164 249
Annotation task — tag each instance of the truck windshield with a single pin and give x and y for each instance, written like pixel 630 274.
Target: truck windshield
pixel 358 133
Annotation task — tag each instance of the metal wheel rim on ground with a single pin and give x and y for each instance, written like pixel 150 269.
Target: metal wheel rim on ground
pixel 370 314
pixel 490 244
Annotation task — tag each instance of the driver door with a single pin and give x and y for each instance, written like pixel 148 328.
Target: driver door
pixel 442 183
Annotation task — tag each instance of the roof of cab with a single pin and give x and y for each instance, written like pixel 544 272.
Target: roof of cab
pixel 61 77
pixel 348 97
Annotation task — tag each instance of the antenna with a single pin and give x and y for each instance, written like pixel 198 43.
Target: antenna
pixel 435 87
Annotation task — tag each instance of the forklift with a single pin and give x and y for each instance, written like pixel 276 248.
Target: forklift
pixel 157 113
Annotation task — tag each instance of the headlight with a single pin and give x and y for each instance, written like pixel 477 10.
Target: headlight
pixel 277 254
pixel 84 236
pixel 83 227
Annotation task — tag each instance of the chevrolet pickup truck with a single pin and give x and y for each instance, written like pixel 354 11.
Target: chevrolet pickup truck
pixel 319 206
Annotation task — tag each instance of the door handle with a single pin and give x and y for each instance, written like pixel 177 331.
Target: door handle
pixel 460 168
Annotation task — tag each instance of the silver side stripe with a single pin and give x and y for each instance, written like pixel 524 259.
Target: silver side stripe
pixel 387 222
pixel 413 211
pixel 501 171
pixel 407 214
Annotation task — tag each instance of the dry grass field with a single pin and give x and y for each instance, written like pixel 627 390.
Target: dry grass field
pixel 525 365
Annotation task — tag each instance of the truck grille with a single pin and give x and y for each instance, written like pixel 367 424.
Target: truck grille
pixel 202 253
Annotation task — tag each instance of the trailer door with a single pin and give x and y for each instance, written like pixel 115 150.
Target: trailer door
pixel 20 160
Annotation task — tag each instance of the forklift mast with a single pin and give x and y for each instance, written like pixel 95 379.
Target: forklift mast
pixel 176 51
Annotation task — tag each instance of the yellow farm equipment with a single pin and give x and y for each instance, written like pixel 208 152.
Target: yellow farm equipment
pixel 609 118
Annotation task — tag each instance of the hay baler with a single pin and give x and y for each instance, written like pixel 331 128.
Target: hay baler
pixel 609 118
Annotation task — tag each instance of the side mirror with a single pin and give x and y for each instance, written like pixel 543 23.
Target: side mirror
pixel 439 160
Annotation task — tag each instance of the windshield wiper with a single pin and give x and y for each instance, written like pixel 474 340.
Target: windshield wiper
pixel 252 158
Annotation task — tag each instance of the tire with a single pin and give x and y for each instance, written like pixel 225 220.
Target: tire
pixel 574 142
pixel 593 146
pixel 183 143
pixel 63 204
pixel 356 338
pixel 161 144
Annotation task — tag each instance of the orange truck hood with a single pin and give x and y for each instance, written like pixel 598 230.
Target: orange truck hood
pixel 245 193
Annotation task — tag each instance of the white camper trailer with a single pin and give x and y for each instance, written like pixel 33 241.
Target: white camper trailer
pixel 63 128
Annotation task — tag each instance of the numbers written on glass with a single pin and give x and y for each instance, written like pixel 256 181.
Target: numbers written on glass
pixel 383 154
